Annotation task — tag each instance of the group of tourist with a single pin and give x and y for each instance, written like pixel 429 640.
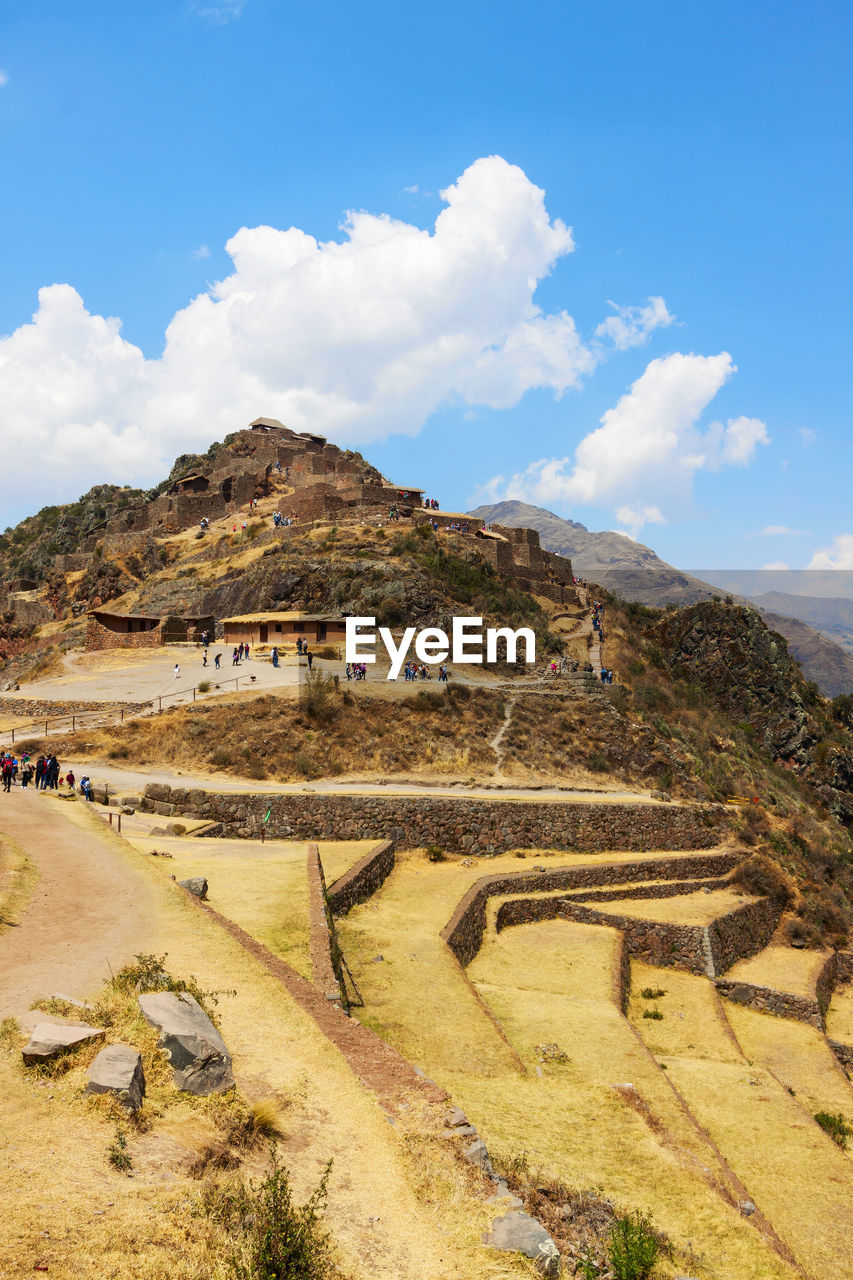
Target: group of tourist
pixel 45 774
pixel 431 504
pixel 356 671
pixel 420 671
pixel 280 521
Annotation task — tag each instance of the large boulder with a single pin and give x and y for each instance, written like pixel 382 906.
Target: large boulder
pixel 522 1234
pixel 49 1039
pixel 118 1069
pixel 201 1063
pixel 196 885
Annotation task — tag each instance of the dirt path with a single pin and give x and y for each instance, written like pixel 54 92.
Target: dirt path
pixel 88 912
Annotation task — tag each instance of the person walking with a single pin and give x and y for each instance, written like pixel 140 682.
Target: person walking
pixel 309 656
pixel 177 670
pixel 216 660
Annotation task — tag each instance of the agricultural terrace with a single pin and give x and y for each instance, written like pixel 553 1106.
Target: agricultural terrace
pixel 531 1042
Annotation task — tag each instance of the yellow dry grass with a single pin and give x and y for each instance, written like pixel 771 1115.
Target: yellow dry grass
pixel 839 1018
pixel 18 881
pixel 260 886
pixel 792 1171
pixel 689 908
pixel 798 1056
pixel 782 968
pixel 398 1208
pixel 548 983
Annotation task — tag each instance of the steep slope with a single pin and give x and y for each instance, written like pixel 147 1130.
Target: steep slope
pixel 635 572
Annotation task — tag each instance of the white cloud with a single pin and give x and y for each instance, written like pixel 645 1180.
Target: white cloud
pixel 355 338
pixel 219 11
pixel 201 252
pixel 636 518
pixel 633 326
pixel 776 564
pixel 807 436
pixel 778 531
pixel 4 77
pixel 838 555
pixel 643 457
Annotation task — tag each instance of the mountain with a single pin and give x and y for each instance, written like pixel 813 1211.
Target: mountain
pixel 633 571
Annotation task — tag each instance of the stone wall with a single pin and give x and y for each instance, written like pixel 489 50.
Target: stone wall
pixel 843 1052
pixel 766 1000
pixel 362 880
pixel 657 942
pixel 464 931
pixel 322 941
pixel 98 637
pixel 743 932
pixel 739 933
pixel 458 825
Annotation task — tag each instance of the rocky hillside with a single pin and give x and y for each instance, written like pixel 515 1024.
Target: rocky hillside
pixel 634 572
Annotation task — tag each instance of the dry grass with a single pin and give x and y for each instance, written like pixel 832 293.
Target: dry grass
pixel 791 1170
pixel 548 983
pixel 393 1212
pixel 260 886
pixel 688 908
pixel 839 1019
pixel 18 880
pixel 782 968
pixel 798 1056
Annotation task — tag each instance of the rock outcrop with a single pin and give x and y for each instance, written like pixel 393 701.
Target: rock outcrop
pixel 118 1070
pixel 201 1063
pixel 49 1039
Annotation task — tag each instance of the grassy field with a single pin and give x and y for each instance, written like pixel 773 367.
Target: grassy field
pixel 260 886
pixel 782 968
pixel 794 1173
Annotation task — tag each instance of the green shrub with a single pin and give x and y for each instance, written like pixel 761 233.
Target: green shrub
pixel 204 686
pixel 273 1238
pixel 118 1154
pixel 634 1247
pixel 597 762
pixel 652 993
pixel 835 1125
pixel 654 1014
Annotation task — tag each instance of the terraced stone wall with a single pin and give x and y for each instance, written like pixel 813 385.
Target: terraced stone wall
pixel 767 1000
pixel 362 880
pixel 458 825
pixel 743 932
pixel 322 941
pixel 464 932
pixel 679 946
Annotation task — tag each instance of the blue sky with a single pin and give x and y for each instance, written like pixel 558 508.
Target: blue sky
pixel 700 154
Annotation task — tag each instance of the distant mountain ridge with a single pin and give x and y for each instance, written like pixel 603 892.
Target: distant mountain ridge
pixel 635 572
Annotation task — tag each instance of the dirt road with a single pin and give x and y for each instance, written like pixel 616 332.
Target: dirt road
pixel 89 910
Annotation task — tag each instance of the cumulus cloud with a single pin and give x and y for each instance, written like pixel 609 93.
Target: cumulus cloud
pixel 642 459
pixel 355 338
pixel 633 326
pixel 838 555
